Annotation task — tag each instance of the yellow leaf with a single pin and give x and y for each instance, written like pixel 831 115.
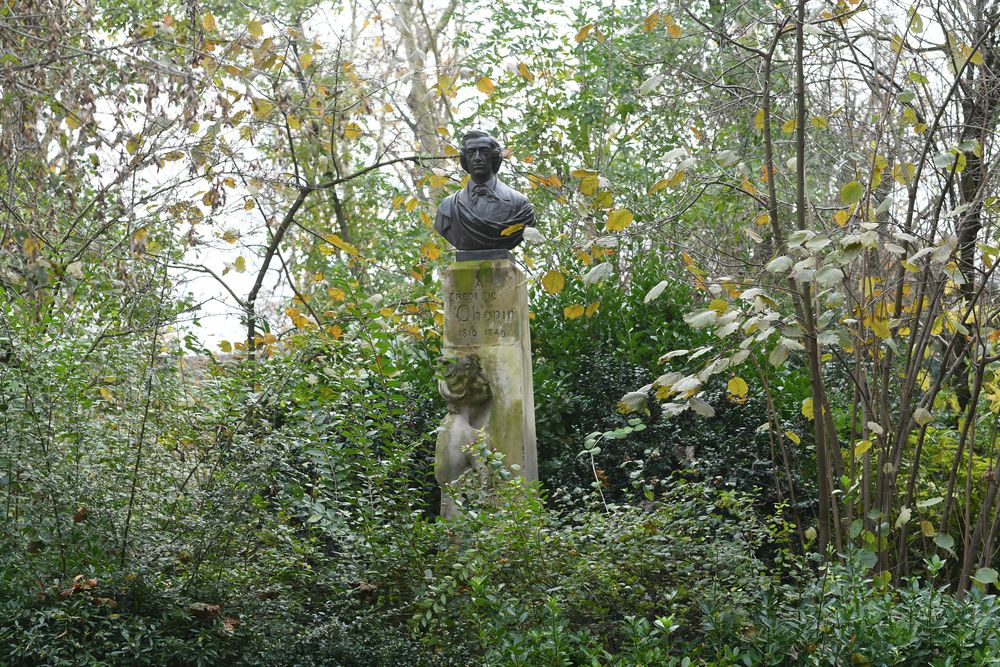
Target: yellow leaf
pixel 230 236
pixel 758 119
pixel 450 151
pixel 928 529
pixel 485 85
pixel 841 217
pixel 335 240
pixel 386 312
pixel 240 264
pixel 924 379
pixel 602 200
pixel 748 186
pixel 789 125
pixel 352 131
pixel 261 108
pixel 582 173
pixel 305 61
pixel 592 308
pixel 255 28
pixel 881 328
pixel 618 219
pixel 737 386
pixel 672 28
pixel 106 394
pixel 72 121
pixel 525 73
pixel 436 181
pixel 430 250
pixel 807 408
pixel 512 229
pixel 862 447
pixel 649 23
pixel 553 282
pixel 589 185
pixel 793 436
pixel 762 219
pixel 819 122
pixel 573 312
pixel 336 294
pixel 659 185
pixel 336 331
pixel 721 306
pixel 249 204
pixel 584 31
pixel 676 179
pixel 225 346
pixel 208 21
pixel 132 145
pixel 903 173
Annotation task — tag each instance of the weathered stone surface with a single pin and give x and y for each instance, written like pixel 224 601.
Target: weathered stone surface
pixel 486 317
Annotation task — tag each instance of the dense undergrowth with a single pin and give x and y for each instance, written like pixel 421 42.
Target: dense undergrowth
pixel 283 513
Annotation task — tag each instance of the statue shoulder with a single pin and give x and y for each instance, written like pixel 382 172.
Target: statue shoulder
pixel 447 206
pixel 510 193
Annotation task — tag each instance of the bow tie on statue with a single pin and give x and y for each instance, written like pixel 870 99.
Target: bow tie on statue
pixel 480 190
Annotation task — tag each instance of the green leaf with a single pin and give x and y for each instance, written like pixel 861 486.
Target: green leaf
pixel 851 192
pixel 945 541
pixel 986 575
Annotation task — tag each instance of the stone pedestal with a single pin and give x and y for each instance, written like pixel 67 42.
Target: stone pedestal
pixel 486 316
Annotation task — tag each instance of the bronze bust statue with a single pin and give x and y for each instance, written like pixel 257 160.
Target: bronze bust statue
pixel 475 217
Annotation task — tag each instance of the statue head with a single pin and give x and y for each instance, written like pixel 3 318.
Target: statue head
pixel 463 377
pixel 481 155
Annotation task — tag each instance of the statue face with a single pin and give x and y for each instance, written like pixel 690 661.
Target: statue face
pixel 479 158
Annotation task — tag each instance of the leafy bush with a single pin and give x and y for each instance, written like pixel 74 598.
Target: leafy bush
pixel 845 615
